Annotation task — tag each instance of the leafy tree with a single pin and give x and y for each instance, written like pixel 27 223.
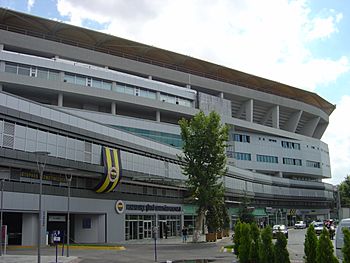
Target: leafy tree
pixel 280 249
pixel 212 219
pixel 225 217
pixel 245 212
pixel 310 245
pixel 204 161
pixel 266 246
pixel 237 236
pixel 346 247
pixel 344 190
pixel 254 245
pixel 244 246
pixel 325 250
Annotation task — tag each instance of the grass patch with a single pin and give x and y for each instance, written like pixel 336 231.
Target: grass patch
pixel 229 246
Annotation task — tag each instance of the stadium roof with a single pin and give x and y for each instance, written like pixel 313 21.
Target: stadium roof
pixel 57 31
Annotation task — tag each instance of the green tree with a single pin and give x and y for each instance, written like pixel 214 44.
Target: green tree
pixel 266 246
pixel 212 219
pixel 245 211
pixel 346 247
pixel 237 236
pixel 344 191
pixel 281 254
pixel 204 162
pixel 245 241
pixel 254 245
pixel 310 245
pixel 325 250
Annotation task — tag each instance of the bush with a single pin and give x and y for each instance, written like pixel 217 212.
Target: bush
pixel 325 250
pixel 280 249
pixel 346 247
pixel 244 246
pixel 266 246
pixel 310 245
pixel 237 236
pixel 254 245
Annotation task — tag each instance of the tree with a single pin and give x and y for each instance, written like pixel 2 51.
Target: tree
pixel 245 211
pixel 280 249
pixel 254 245
pixel 325 250
pixel 244 246
pixel 346 247
pixel 266 246
pixel 204 162
pixel 237 237
pixel 344 191
pixel 310 245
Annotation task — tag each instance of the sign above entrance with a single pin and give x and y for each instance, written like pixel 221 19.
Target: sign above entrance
pixel 119 207
pixel 150 207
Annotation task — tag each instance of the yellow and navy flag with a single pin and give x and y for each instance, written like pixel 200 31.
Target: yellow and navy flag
pixel 113 170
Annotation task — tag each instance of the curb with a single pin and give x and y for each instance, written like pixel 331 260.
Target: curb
pixel 119 248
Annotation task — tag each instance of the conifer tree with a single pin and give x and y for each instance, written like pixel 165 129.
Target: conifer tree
pixel 346 247
pixel 237 236
pixel 310 245
pixel 254 245
pixel 281 254
pixel 245 241
pixel 266 246
pixel 325 250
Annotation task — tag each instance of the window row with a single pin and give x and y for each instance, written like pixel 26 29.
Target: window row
pixel 82 80
pixel 292 161
pixel 290 145
pixel 313 164
pixel 266 158
pixel 241 138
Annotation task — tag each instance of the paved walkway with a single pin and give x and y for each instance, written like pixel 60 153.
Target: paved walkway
pixel 32 259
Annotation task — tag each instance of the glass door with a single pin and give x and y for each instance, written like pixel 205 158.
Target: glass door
pixel 147 229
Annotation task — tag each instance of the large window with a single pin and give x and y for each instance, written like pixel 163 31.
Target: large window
pixel 266 158
pixel 239 155
pixel 241 138
pixel 292 161
pixel 290 145
pixel 313 164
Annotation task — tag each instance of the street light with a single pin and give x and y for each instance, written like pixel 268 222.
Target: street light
pixel 69 180
pixel 1 213
pixel 41 162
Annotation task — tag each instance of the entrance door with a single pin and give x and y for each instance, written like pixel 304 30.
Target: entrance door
pixel 162 228
pixel 132 229
pixel 147 229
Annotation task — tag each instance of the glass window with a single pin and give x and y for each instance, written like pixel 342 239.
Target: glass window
pixel 24 70
pixel 120 87
pixel 42 73
pixel 80 80
pixel 11 68
pixel 53 75
pixel 69 78
pixel 107 85
pixel 129 90
pixel 97 83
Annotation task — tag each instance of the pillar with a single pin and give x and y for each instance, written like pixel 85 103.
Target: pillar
pixel 113 108
pixel 60 100
pixel 158 116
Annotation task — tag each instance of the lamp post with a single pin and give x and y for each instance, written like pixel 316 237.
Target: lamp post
pixel 41 162
pixel 1 213
pixel 69 180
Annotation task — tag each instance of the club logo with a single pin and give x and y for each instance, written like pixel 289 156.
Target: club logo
pixel 119 207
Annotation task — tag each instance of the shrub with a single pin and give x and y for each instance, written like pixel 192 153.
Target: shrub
pixel 237 236
pixel 266 246
pixel 254 245
pixel 325 250
pixel 310 245
pixel 244 246
pixel 281 254
pixel 346 247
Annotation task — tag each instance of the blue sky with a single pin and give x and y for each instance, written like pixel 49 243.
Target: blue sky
pixel 303 43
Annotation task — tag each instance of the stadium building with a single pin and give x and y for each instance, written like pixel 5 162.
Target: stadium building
pixel 105 110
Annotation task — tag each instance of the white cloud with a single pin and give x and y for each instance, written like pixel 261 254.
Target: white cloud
pixel 30 4
pixel 338 138
pixel 271 39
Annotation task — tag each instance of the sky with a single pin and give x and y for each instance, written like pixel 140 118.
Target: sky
pixel 303 43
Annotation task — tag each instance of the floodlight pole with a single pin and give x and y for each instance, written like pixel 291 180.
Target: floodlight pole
pixel 1 214
pixel 69 180
pixel 41 162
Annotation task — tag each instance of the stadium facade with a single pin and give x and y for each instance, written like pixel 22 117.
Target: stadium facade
pixel 106 109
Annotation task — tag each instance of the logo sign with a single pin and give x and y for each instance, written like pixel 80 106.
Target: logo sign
pixel 119 207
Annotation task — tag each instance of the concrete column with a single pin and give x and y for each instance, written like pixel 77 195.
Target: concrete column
pixel 249 106
pixel 292 123
pixel 114 86
pixel 29 229
pixel 221 95
pixel 280 174
pixel 1 87
pixel 106 67
pixel 149 77
pixel 310 127
pixel 158 116
pixel 2 66
pixel 276 116
pixel 61 76
pixel 113 108
pixel 1 47
pixel 188 86
pixel 60 100
pixel 158 95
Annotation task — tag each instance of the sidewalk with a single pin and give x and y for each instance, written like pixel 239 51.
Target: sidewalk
pixel 32 259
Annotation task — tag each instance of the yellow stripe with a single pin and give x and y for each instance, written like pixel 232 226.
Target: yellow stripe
pixel 116 161
pixel 109 165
